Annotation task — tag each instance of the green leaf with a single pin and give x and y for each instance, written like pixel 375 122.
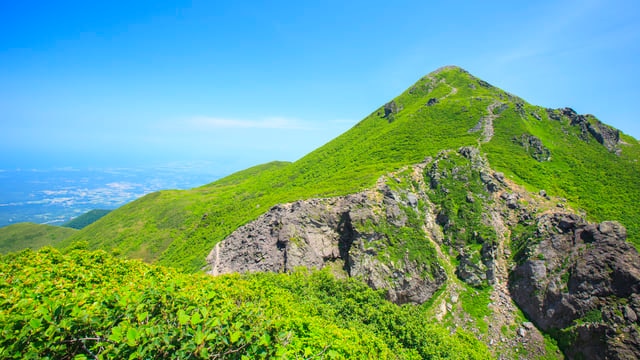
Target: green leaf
pixel 199 337
pixel 35 323
pixel 132 336
pixel 183 318
pixel 116 334
pixel 235 336
pixel 142 316
pixel 265 339
pixel 195 318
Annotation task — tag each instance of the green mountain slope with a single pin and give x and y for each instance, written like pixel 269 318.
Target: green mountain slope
pixel 86 219
pixel 441 111
pixel 31 236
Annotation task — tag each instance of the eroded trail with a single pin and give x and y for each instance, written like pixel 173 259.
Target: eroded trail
pixel 486 123
pixel 487 130
pixel 214 268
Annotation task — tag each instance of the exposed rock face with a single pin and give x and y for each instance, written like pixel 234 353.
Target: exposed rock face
pixel 582 279
pixel 341 232
pixel 604 134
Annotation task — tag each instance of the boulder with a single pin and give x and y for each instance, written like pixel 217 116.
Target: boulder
pixel 578 276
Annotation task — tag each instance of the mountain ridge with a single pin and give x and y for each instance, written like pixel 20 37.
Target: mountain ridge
pixel 426 118
pixel 456 196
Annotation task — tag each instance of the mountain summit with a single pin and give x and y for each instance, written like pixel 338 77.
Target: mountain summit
pixel 496 216
pixel 570 156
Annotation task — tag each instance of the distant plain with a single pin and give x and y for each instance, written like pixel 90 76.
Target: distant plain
pixel 56 195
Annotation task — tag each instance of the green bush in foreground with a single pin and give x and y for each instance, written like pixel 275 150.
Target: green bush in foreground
pixel 92 305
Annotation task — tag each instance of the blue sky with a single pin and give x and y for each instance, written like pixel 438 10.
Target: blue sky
pixel 244 82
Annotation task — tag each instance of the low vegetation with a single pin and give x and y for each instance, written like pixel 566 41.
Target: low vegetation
pixel 92 305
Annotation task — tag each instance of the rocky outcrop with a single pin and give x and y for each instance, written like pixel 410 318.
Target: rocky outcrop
pixel 589 126
pixel 462 188
pixel 390 109
pixel 534 147
pixel 581 281
pixel 357 234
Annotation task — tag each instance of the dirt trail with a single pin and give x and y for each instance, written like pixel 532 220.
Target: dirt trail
pixel 214 268
pixel 486 123
pixel 487 130
pixel 454 90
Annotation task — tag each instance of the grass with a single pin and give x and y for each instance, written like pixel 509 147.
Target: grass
pixel 585 172
pixel 475 302
pixel 31 236
pixel 86 219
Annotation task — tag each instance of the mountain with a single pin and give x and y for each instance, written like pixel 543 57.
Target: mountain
pixel 31 236
pixel 514 223
pixel 85 219
pixel 447 109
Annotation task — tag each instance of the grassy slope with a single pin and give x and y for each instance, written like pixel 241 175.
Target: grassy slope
pixel 86 219
pixel 31 236
pixel 584 172
pixel 179 228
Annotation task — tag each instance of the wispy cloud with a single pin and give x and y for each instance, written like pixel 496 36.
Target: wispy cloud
pixel 209 123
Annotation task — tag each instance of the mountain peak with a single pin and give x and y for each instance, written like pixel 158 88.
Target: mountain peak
pixel 455 194
pixel 447 67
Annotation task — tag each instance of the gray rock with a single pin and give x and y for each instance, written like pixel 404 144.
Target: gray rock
pixel 470 198
pixel 474 274
pixel 390 109
pixel 576 268
pixel 469 152
pixel 454 298
pixel 322 232
pixel 534 147
pixel 412 199
pixel 589 126
pixel 511 200
pixel 630 315
pixel 492 187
